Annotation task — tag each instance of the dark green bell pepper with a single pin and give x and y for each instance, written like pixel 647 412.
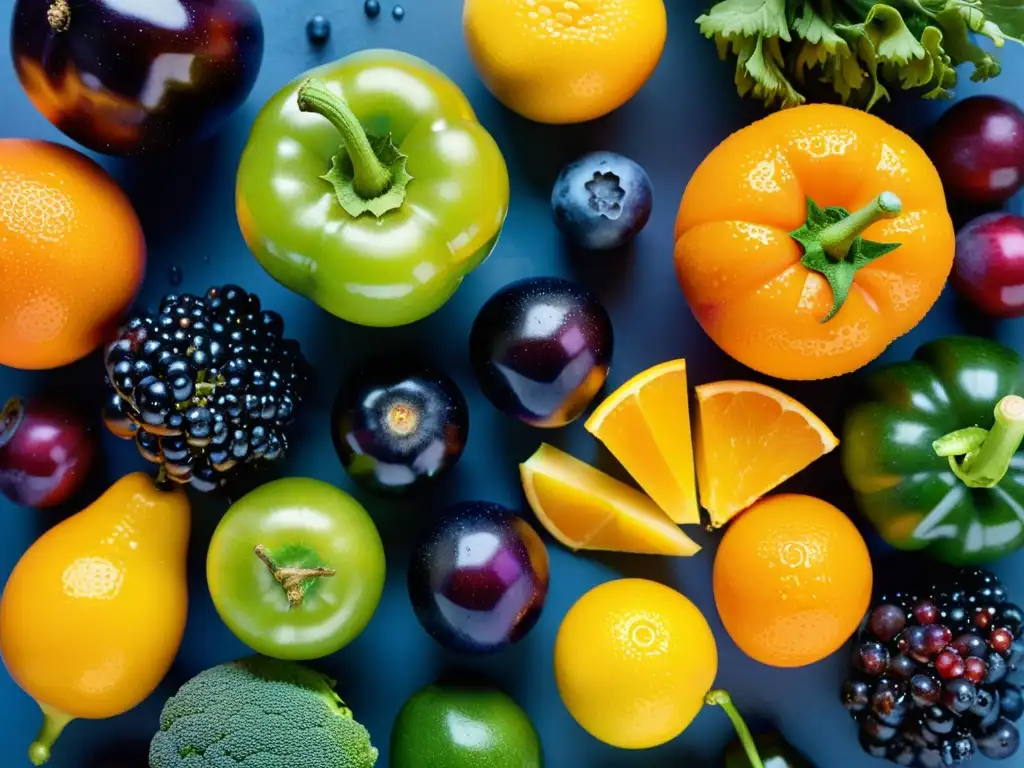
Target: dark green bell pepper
pixel 932 450
pixel 369 186
pixel 766 750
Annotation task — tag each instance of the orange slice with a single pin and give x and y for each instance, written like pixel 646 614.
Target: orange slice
pixel 645 424
pixel 586 509
pixel 750 438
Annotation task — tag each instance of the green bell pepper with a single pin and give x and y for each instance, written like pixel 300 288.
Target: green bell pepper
pixel 766 750
pixel 369 186
pixel 932 451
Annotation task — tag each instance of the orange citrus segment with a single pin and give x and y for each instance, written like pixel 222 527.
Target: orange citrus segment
pixel 751 438
pixel 586 509
pixel 645 424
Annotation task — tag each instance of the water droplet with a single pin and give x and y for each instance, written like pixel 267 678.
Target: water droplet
pixel 371 8
pixel 398 12
pixel 174 275
pixel 318 29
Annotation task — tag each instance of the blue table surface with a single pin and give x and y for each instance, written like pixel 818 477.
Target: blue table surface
pixel 187 209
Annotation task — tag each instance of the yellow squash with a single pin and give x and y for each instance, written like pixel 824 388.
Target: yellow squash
pixel 93 613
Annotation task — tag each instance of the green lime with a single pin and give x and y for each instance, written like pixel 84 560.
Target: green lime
pixel 461 727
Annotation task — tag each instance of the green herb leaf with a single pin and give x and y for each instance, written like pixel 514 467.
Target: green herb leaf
pixel 342 177
pixel 746 18
pixel 759 71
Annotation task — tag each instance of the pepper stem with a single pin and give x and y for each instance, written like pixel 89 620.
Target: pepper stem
pixel 370 176
pixel 719 698
pixel 294 581
pixel 837 239
pixel 59 15
pixel 986 453
pixel 54 722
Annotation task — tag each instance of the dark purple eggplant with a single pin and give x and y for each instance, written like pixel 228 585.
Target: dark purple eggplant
pixel 135 77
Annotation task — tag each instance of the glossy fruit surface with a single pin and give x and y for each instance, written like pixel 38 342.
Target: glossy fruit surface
pixel 645 424
pixel 564 62
pixel 45 452
pixel 763 430
pixel 541 349
pixel 478 577
pixel 92 615
pixel 989 265
pixel 978 148
pixel 443 726
pixel 398 426
pixel 792 580
pixel 127 77
pixel 602 200
pixel 296 569
pixel 746 276
pixel 72 254
pixel 646 643
pixel 584 508
pixel 206 386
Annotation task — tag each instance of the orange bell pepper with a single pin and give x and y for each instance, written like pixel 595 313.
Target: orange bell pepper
pixel 776 268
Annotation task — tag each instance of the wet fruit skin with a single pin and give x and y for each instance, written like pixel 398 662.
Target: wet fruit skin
pixel 602 200
pixel 444 726
pixel 398 426
pixel 989 265
pixel 72 254
pixel 45 452
pixel 541 350
pixel 478 577
pixel 132 78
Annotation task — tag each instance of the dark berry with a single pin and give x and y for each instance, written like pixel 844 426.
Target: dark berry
pixel 1011 702
pixel 983 617
pixel 957 749
pixel 877 730
pixel 970 644
pixel 925 690
pixel 1012 617
pixel 888 702
pixel 1001 741
pixel 975 670
pixel 856 695
pixel 959 695
pixel 913 642
pixel 902 667
pixel 372 8
pixel 1015 656
pixel 871 746
pixel 873 659
pixel 985 707
pixel 117 417
pixel 886 622
pixel 926 612
pixel 997 668
pixel 153 400
pixel 949 664
pixel 318 29
pixel 1000 640
pixel 939 720
pixel 938 637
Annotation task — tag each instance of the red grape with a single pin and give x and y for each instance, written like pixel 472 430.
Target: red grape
pixel 989 265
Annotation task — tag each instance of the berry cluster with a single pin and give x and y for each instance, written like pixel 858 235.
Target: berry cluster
pixel 929 684
pixel 205 385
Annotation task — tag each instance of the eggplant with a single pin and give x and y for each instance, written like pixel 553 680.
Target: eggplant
pixel 136 77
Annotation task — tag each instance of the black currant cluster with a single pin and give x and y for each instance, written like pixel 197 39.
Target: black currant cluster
pixel 205 386
pixel 930 683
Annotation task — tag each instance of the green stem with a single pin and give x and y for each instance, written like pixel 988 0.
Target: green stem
pixel 54 722
pixel 370 177
pixel 837 239
pixel 294 581
pixel 987 455
pixel 719 698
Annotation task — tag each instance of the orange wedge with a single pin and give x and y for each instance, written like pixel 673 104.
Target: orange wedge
pixel 586 509
pixel 750 438
pixel 645 424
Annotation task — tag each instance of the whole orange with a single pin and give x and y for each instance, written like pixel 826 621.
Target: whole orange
pixel 72 254
pixel 633 662
pixel 564 61
pixel 792 580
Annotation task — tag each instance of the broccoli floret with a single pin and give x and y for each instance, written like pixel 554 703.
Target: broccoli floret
pixel 259 713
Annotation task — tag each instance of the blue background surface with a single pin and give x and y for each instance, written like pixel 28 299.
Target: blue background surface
pixel 186 205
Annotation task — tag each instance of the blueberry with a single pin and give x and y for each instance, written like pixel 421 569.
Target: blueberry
pixel 318 29
pixel 602 200
pixel 1001 741
pixel 372 8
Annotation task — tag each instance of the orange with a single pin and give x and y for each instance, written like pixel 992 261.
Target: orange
pixel 564 61
pixel 586 509
pixel 72 254
pixel 633 662
pixel 751 438
pixel 645 424
pixel 792 580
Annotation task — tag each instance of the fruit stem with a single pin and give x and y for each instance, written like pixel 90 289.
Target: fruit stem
pixel 837 239
pixel 59 15
pixel 719 698
pixel 294 581
pixel 54 722
pixel 11 416
pixel 986 453
pixel 371 178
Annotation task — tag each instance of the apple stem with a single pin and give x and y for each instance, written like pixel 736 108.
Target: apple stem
pixel 11 417
pixel 294 581
pixel 719 698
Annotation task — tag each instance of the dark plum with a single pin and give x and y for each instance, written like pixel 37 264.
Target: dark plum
pixel 989 266
pixel 978 149
pixel 1011 701
pixel 132 77
pixel 602 200
pixel 478 577
pixel 1001 741
pixel 397 426
pixel 45 452
pixel 541 349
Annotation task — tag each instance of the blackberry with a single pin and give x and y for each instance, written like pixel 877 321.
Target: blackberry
pixel 205 386
pixel 930 673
